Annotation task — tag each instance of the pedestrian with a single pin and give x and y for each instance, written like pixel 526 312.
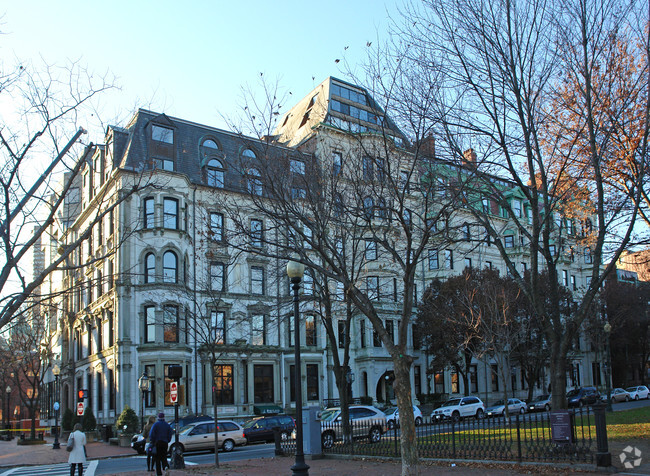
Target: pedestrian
pixel 160 436
pixel 147 447
pixel 77 440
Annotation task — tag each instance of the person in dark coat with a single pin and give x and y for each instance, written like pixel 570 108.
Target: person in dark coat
pixel 160 436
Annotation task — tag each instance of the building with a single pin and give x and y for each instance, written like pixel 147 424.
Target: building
pixel 165 269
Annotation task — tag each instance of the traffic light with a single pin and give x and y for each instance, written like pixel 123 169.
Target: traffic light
pixel 81 394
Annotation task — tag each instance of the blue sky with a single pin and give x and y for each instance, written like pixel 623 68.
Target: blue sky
pixel 190 59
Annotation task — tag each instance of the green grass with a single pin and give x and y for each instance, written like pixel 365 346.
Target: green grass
pixel 629 424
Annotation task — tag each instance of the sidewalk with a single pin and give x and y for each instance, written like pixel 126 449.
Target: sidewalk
pixel 13 455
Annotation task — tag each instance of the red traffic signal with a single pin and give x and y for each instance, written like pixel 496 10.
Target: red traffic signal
pixel 81 394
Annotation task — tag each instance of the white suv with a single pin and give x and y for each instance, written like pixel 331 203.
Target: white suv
pixel 458 408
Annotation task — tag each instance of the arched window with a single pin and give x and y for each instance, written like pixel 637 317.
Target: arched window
pixel 170 267
pixel 254 182
pixel 215 173
pixel 150 268
pixel 210 144
pixel 249 154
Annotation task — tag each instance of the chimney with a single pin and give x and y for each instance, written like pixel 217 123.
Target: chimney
pixel 469 157
pixel 428 146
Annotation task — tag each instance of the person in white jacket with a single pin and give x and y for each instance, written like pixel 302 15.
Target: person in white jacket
pixel 78 454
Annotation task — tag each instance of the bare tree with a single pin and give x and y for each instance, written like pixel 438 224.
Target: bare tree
pixel 36 140
pixel 505 70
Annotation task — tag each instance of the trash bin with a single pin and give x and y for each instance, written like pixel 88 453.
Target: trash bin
pixel 107 432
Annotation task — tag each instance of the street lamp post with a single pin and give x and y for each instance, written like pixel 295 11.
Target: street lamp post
pixel 145 384
pixel 8 390
pixel 56 371
pixel 296 271
pixel 608 369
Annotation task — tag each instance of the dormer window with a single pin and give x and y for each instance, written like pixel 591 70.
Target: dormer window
pixel 162 134
pixel 215 173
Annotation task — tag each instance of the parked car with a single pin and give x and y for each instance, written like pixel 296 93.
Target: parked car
pixel 541 403
pixel 638 392
pixel 367 421
pixel 261 429
pixel 617 395
pixel 392 417
pixel 499 408
pixel 458 408
pixel 138 441
pixel 579 397
pixel 200 436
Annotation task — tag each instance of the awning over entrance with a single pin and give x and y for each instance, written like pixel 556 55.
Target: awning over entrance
pixel 266 409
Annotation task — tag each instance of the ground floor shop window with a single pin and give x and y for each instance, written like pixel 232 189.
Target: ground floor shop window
pixel 263 383
pixel 223 385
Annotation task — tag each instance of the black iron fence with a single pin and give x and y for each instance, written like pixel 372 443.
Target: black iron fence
pixel 525 437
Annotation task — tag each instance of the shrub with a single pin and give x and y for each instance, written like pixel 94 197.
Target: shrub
pixel 129 419
pixel 67 420
pixel 89 423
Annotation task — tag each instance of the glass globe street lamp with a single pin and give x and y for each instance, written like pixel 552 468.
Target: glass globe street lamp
pixel 144 384
pixel 296 271
pixel 56 371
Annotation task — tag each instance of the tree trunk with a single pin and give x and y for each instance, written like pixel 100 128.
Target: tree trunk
pixel 32 417
pixel 558 380
pixel 344 396
pixel 402 385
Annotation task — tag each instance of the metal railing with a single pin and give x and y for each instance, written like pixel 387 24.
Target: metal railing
pixel 521 437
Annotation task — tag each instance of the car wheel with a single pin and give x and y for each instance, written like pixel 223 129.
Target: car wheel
pixel 480 414
pixel 636 397
pixel 327 439
pixel 375 435
pixel 581 404
pixel 181 448
pixel 547 407
pixel 418 421
pixel 522 411
pixel 455 417
pixel 391 424
pixel 627 398
pixel 284 435
pixel 228 446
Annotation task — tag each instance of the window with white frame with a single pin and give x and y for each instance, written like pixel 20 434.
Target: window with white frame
pixel 218 326
pixel 449 259
pixel 509 241
pixel 170 323
pixel 216 226
pixel 215 173
pixel 254 182
pixel 150 324
pixel 258 329
pixel 257 280
pixel 337 163
pixel 148 213
pixel 372 287
pixel 170 267
pixel 217 277
pixel 516 208
pixel 433 259
pixel 170 213
pixel 150 268
pixel 371 250
pixel 257 233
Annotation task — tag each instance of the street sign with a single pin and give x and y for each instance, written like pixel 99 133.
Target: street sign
pixel 80 408
pixel 173 392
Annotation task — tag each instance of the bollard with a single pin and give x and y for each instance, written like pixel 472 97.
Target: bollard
pixel 277 438
pixel 603 456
